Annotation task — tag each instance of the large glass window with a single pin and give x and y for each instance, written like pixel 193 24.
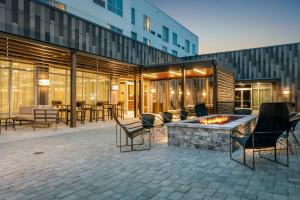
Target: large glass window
pixel 147 23
pixel 146 41
pixel 165 34
pixel 59 88
pixel 21 90
pixel 165 49
pixel 132 16
pixel 91 88
pixel 175 39
pixel 100 3
pixel 4 80
pixel 187 46
pixel 22 86
pixel 115 6
pixel 134 35
pixel 261 93
pixel 115 29
pixel 194 49
pixel 174 53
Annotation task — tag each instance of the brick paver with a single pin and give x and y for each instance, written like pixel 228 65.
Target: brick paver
pixel 87 165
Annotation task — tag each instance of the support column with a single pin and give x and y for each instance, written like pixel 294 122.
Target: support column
pixel 141 92
pixel 182 103
pixel 73 90
pixel 215 88
pixel 135 97
pixel 167 96
pixel 207 91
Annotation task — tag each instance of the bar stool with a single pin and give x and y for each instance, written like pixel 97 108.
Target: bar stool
pixel 107 110
pixel 80 111
pixel 97 109
pixel 62 110
pixel 120 109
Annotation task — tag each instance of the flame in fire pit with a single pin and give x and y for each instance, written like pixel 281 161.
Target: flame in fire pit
pixel 215 120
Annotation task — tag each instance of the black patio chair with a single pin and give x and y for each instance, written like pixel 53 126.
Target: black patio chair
pixel 184 115
pixel 167 117
pixel 290 132
pixel 200 110
pixel 147 121
pixel 242 111
pixel 272 121
pixel 293 124
pixel 132 131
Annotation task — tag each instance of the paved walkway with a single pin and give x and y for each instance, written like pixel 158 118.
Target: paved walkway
pixel 85 164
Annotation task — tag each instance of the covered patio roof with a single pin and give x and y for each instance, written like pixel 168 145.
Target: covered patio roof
pixel 198 68
pixel 222 79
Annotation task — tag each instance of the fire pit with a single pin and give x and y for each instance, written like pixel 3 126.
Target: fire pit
pixel 219 119
pixel 209 132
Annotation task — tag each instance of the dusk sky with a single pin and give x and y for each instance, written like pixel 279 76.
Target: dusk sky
pixel 223 25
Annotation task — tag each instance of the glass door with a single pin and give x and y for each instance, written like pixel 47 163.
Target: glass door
pixel 243 97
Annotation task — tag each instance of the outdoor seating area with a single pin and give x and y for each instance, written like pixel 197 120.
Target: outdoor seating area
pixel 271 131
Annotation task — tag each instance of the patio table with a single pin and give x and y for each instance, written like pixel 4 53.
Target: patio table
pixel 88 107
pixel 7 121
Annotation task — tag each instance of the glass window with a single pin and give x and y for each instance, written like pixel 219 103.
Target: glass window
pixel 134 35
pixel 22 86
pixel 165 34
pixel 175 41
pixel 194 49
pixel 115 29
pixel 132 16
pixel 59 87
pixel 187 46
pixel 115 6
pixel 146 41
pixel 4 79
pixel 91 87
pixel 147 23
pixel 165 49
pixel 100 3
pixel 174 53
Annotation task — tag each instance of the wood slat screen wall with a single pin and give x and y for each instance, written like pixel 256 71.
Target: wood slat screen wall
pixel 41 22
pixel 225 92
pixel 33 53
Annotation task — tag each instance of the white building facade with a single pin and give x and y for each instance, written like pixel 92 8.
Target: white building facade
pixel 138 19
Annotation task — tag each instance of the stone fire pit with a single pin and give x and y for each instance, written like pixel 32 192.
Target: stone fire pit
pixel 210 132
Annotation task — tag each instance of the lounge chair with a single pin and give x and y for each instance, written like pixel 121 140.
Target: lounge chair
pixel 200 110
pixel 132 131
pixel 273 121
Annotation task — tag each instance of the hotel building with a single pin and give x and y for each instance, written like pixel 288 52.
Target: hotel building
pixel 54 50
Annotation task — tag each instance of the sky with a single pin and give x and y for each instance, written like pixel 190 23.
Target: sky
pixel 224 25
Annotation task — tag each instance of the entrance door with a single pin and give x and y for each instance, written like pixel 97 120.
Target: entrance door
pixel 243 98
pixel 130 97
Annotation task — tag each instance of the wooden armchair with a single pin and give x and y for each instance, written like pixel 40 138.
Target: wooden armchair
pixel 45 117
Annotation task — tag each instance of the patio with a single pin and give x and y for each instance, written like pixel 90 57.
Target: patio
pixel 83 163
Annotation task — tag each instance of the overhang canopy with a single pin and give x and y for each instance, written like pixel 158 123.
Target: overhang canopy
pixel 199 68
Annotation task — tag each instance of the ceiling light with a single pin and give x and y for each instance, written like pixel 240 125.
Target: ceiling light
pixel 175 73
pixel 152 90
pixel 199 71
pixel 150 76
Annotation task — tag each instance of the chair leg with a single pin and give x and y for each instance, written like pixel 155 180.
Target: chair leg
pixel 244 157
pixel 275 155
pixel 295 137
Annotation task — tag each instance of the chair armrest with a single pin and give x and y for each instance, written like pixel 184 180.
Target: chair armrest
pixel 134 127
pixel 137 122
